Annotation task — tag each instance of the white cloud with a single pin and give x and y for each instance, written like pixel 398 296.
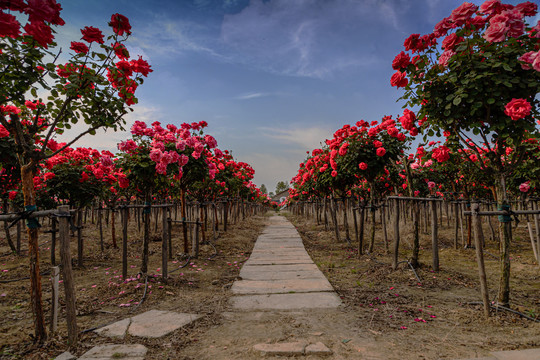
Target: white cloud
pixel 306 138
pixel 271 168
pixel 308 38
pixel 108 139
pixel 251 96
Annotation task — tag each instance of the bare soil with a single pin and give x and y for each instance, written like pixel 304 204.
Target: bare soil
pixel 433 318
pixel 386 314
pixel 103 297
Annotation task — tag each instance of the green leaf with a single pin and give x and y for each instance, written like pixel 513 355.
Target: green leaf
pixel 491 101
pixel 457 100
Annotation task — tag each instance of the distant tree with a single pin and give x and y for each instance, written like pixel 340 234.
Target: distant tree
pixel 263 189
pixel 271 193
pixel 281 186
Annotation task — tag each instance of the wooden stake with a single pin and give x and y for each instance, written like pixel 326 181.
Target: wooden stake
pixel 54 298
pixel 480 259
pixel 67 275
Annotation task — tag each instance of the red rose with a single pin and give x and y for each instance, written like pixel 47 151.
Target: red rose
pixel 79 47
pixel 518 109
pixel 401 61
pixel 412 42
pixel 140 66
pixel 381 151
pixel 450 42
pixel 124 67
pixel 399 79
pixel 120 24
pixel 15 5
pixel 362 166
pixel 3 132
pixel 41 33
pixel 121 51
pixel 377 144
pixel 9 26
pixel 91 34
pixel 408 119
pixel 441 154
pixel 12 195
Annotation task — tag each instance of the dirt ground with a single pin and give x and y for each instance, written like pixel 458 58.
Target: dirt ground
pixel 432 318
pixel 102 297
pixel 386 314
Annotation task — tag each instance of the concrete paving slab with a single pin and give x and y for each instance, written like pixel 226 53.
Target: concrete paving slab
pixel 156 323
pixel 295 301
pixel 66 355
pixel 279 267
pixel 279 261
pixel 281 286
pixel 117 329
pixel 116 351
pixel 151 324
pixel 280 275
pixel 529 354
pixel 283 255
pixel 317 349
pixel 281 349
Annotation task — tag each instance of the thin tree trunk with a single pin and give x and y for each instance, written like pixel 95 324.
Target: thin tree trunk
pixel 27 179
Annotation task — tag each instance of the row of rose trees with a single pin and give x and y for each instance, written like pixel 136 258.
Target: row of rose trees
pixel 42 97
pixel 473 82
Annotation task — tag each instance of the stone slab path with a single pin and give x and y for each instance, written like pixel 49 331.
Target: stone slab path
pixel 151 324
pixel 280 275
pixel 283 305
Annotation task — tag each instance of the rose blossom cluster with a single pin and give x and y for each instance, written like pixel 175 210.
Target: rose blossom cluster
pixel 185 144
pixel 500 21
pixel 99 165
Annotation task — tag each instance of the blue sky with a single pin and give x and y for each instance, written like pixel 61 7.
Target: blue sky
pixel 273 78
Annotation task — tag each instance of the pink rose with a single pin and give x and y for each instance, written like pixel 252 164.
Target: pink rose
pixel 524 187
pixel 445 56
pixel 496 32
pixel 430 185
pixel 518 109
pixel 528 58
pixel 490 7
pixel 155 155
pixel 463 12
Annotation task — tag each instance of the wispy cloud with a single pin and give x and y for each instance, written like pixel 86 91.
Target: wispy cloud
pixel 251 96
pixel 308 38
pixel 108 139
pixel 306 138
